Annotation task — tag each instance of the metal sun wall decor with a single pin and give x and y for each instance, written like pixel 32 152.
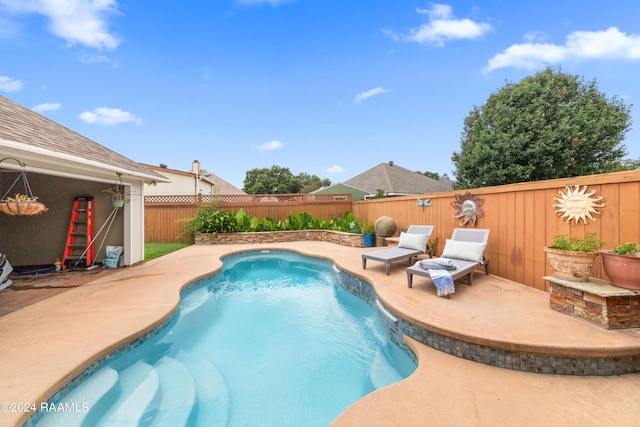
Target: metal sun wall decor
pixel 575 204
pixel 467 208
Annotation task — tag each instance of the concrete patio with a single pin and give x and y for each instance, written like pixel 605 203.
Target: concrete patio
pixel 48 342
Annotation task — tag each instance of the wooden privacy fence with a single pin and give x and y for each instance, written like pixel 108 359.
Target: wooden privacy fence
pixel 523 220
pixel 165 215
pixel 521 217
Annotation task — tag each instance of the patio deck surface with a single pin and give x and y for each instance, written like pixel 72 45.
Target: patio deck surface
pixel 47 342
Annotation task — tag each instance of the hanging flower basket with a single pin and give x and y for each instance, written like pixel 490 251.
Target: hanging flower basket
pixel 21 204
pixel 22 208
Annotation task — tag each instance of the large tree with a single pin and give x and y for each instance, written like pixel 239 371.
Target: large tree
pixel 274 180
pixel 280 180
pixel 549 125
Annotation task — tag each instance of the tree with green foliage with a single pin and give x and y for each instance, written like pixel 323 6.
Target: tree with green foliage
pixel 274 180
pixel 280 180
pixel 312 182
pixel 434 175
pixel 549 125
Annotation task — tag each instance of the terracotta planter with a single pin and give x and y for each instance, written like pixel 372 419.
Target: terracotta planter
pixel 623 270
pixel 568 265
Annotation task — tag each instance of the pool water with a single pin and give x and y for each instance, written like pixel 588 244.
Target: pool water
pixel 271 340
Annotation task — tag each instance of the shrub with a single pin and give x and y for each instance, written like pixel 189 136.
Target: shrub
pixel 212 220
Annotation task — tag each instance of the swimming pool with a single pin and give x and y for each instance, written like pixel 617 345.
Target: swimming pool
pixel 272 339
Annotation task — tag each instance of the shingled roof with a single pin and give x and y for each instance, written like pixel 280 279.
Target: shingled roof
pixel 25 130
pixel 396 181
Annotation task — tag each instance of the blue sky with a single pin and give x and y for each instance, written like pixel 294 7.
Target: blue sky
pixel 325 87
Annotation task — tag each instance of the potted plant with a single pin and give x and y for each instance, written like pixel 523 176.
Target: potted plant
pixel 622 265
pixel 22 204
pixel 572 258
pixel 369 234
pixel 117 192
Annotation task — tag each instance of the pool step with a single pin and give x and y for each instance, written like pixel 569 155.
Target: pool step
pixel 177 394
pixel 77 404
pixel 194 299
pixel 139 388
pixel 211 389
pixel 382 373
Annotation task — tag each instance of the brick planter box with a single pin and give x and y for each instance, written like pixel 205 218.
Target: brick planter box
pixel 345 239
pixel 596 301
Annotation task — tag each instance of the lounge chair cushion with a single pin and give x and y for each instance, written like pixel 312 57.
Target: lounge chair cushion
pixel 468 251
pixel 413 241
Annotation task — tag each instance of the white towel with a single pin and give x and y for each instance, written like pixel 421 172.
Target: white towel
pixel 443 282
pixel 438 270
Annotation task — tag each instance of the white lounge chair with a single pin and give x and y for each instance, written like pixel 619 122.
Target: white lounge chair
pixel 411 244
pixel 466 251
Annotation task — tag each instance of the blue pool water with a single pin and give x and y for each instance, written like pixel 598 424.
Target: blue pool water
pixel 271 340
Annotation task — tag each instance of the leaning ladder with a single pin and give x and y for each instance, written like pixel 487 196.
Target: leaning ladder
pixel 78 246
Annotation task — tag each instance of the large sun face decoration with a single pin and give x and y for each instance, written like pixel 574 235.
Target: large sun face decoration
pixel 467 208
pixel 575 204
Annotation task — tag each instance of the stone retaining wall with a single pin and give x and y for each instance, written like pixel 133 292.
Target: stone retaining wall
pixel 345 239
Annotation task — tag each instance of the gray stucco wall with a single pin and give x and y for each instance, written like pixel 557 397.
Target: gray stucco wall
pixel 40 239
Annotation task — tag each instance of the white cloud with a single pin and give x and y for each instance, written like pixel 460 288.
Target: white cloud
pixel 47 106
pixel 368 94
pixel 441 27
pixel 270 146
pixel 77 21
pixel 7 84
pixel 334 169
pixel 87 58
pixel 109 117
pixel 611 44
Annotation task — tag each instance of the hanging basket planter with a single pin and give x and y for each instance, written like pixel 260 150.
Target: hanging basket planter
pixel 22 208
pixel 21 204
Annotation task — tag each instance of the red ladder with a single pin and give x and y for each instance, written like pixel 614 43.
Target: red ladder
pixel 79 246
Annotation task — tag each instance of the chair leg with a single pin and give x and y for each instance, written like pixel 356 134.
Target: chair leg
pixel 364 263
pixel 409 279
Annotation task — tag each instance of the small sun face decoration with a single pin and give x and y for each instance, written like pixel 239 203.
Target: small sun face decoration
pixel 575 204
pixel 467 208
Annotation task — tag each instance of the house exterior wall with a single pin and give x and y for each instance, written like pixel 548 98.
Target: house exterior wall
pixel 181 183
pixel 40 239
pixel 134 223
pixel 342 189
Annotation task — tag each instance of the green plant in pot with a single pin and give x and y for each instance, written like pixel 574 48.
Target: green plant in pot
pixel 622 265
pixel 572 258
pixel 369 234
pixel 117 192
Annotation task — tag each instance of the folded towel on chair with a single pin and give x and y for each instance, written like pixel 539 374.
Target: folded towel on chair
pixel 438 270
pixel 438 264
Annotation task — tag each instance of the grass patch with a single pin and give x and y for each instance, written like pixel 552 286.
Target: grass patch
pixel 156 250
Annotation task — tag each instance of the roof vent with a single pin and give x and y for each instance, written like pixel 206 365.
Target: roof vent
pixel 163 166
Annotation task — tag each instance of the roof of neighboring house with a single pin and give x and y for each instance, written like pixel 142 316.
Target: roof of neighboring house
pixel 28 131
pixel 396 181
pixel 220 185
